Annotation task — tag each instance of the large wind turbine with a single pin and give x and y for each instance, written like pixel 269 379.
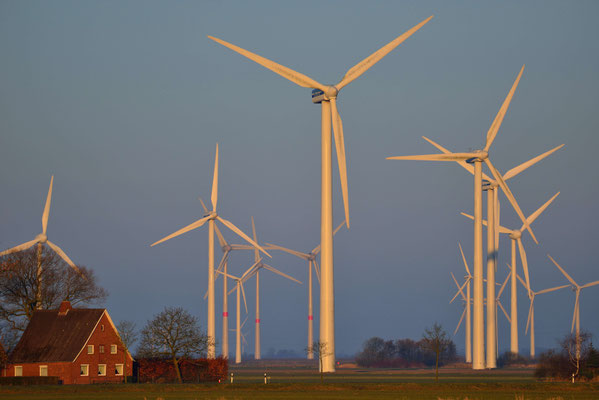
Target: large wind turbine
pixel 576 316
pixel 516 237
pixel 490 186
pixel 40 240
pixel 311 258
pixel 530 322
pixel 467 307
pixel 327 96
pixel 211 217
pixel 478 157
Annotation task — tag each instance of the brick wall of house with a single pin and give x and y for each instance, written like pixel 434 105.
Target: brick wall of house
pixel 69 373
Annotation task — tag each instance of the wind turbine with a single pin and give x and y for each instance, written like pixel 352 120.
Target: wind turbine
pixel 576 316
pixel 516 237
pixel 40 240
pixel 467 311
pixel 243 342
pixel 490 186
pixel 478 157
pixel 530 322
pixel 311 258
pixel 239 287
pixel 211 217
pixel 326 95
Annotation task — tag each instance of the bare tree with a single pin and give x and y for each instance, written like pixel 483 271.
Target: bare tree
pixel 436 340
pixel 577 348
pixel 19 285
pixel 173 334
pixel 319 349
pixel 128 333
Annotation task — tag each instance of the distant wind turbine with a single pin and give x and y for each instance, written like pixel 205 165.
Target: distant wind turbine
pixel 311 258
pixel 327 96
pixel 211 217
pixel 40 240
pixel 467 307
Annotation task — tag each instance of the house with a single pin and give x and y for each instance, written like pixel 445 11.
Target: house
pixel 78 345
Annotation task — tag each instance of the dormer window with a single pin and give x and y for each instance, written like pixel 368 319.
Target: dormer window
pixel 90 349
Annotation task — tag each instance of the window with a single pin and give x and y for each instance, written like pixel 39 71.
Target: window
pixel 84 371
pixel 101 349
pixel 90 349
pixel 113 349
pixel 101 369
pixel 18 370
pixel 118 369
pixel 43 370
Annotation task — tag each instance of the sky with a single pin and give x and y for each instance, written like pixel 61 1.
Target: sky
pixel 124 102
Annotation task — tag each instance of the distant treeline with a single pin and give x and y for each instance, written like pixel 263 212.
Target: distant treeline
pixel 401 353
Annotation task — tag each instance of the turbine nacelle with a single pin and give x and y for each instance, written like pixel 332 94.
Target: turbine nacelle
pixel 41 238
pixel 481 155
pixel 318 96
pixel 515 235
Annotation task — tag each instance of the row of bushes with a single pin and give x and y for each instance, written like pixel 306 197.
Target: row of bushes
pixel 401 353
pixel 153 370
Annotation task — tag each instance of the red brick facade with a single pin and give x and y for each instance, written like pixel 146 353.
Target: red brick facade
pixel 103 338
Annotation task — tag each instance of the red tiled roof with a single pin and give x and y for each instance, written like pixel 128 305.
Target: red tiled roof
pixel 51 337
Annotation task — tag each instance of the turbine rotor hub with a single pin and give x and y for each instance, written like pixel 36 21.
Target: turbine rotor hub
pixel 331 92
pixel 515 235
pixel 41 238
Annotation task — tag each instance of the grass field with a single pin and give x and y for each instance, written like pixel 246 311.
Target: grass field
pixel 300 382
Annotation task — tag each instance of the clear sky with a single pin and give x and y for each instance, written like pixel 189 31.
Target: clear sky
pixel 124 102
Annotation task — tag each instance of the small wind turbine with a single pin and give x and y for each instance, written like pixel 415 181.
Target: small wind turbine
pixel 516 237
pixel 327 96
pixel 211 217
pixel 478 157
pixel 576 316
pixel 40 240
pixel 311 258
pixel 490 186
pixel 239 287
pixel 530 322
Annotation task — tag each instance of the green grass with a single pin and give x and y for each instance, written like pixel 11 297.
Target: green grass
pixel 303 383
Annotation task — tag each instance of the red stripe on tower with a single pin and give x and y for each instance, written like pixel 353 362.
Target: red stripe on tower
pixel 310 318
pixel 257 320
pixel 225 314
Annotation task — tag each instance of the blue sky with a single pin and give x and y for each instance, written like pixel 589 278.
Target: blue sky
pixel 124 102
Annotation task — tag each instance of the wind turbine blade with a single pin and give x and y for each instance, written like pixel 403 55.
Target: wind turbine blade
pixel 243 295
pixel 498 228
pixel 286 250
pixel 18 248
pixel 554 289
pixel 524 263
pixel 223 261
pixel 534 215
pixel 287 73
pixel 530 311
pixel 276 271
pixel 463 164
pixel 203 205
pixel 437 157
pixel 363 66
pixel 516 170
pixel 317 270
pixel 499 117
pixel 243 323
pixel 459 289
pixel 464 258
pixel 504 312
pixel 256 254
pixel 221 238
pixel 247 273
pixel 563 272
pixel 214 197
pixel 503 286
pixel 510 197
pixel 337 229
pixel 590 284
pixel 460 322
pixel 63 255
pixel 240 233
pixel 242 247
pixel 46 213
pixel 340 148
pixel 181 231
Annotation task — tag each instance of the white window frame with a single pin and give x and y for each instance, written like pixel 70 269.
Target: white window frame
pixel 113 347
pixel 46 368
pixel 90 349
pixel 86 369
pixel 20 369
pixel 116 369
pixel 99 371
pixel 100 349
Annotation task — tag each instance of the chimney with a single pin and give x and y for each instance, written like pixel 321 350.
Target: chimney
pixel 65 306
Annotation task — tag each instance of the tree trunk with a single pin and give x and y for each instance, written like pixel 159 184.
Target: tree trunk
pixel 176 363
pixel 437 367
